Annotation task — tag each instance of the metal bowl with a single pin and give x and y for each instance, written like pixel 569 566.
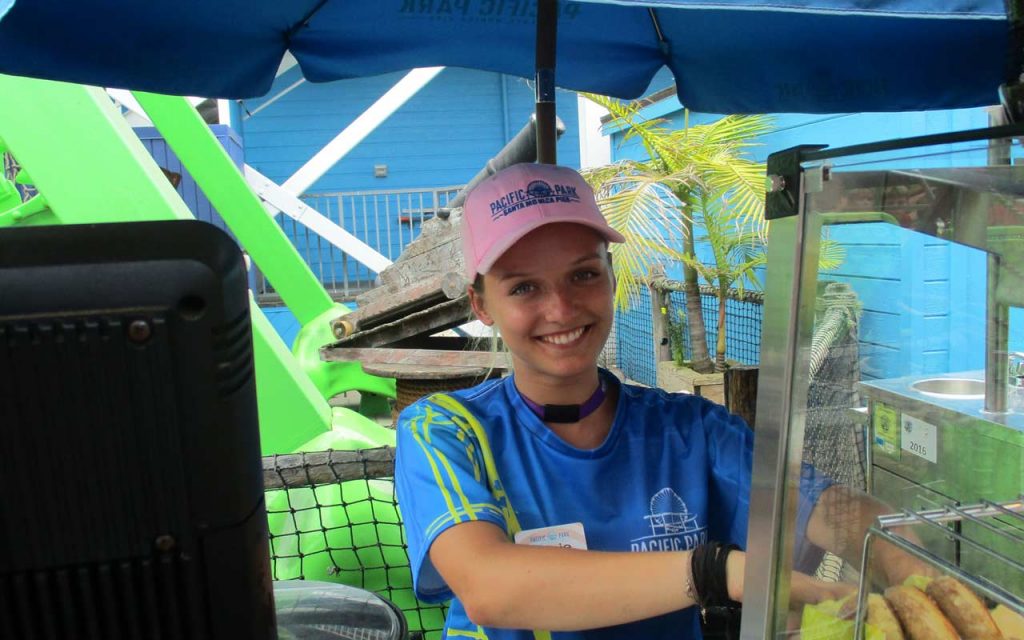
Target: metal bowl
pixel 951 388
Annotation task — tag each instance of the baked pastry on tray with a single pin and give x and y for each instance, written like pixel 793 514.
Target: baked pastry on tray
pixel 969 615
pixel 882 617
pixel 920 616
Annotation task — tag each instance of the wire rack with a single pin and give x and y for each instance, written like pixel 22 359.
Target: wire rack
pixel 983 515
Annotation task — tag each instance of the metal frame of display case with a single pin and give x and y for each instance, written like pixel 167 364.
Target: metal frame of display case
pixel 794 242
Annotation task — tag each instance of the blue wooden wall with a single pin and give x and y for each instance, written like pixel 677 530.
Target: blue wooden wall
pixel 189 191
pixel 442 136
pixel 923 297
pixel 187 188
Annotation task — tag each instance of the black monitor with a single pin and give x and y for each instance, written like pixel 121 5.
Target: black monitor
pixel 131 493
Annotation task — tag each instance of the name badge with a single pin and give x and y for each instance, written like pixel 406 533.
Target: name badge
pixel 567 536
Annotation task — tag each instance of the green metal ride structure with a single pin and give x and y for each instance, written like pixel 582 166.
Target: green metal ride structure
pixel 86 165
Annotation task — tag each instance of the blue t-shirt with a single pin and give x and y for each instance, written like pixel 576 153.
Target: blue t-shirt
pixel 673 472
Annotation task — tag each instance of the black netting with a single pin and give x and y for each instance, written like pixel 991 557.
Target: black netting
pixel 634 341
pixel 333 517
pixel 833 438
pixel 743 319
pixel 635 331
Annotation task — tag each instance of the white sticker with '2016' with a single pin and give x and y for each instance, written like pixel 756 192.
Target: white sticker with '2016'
pixel 919 438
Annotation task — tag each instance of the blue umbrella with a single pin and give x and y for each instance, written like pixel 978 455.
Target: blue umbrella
pixel 728 56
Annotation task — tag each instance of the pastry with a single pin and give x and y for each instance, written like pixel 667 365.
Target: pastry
pixel 920 616
pixel 964 609
pixel 882 617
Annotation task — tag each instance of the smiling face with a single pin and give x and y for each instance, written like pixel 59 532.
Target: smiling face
pixel 550 295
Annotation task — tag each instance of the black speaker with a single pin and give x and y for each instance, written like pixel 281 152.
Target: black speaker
pixel 131 494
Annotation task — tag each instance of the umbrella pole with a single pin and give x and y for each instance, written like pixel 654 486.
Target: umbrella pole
pixel 547 36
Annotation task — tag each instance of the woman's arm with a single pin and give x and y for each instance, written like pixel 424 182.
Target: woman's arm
pixel 840 521
pixel 502 584
pixel 506 585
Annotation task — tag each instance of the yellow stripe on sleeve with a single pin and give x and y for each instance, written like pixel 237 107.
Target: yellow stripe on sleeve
pixel 428 452
pixel 467 507
pixel 457 486
pixel 497 490
pixel 446 519
pixel 478 633
pixel 451 404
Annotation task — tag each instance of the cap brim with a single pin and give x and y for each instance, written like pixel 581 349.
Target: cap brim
pixel 499 248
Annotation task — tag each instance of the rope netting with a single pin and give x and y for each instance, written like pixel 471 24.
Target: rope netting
pixel 333 517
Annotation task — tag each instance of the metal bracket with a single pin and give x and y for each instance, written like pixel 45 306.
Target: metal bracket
pixel 784 181
pixel 816 177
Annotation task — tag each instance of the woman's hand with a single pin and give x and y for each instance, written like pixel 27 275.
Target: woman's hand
pixel 896 564
pixel 735 565
pixel 805 589
pixel 839 523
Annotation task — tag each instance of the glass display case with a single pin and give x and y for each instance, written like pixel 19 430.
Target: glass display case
pixel 890 417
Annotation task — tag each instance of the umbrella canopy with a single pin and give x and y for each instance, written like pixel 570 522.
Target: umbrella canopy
pixel 728 56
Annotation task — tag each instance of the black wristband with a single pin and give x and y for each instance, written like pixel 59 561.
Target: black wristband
pixel 708 568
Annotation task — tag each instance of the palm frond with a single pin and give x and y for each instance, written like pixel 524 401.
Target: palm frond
pixel 701 176
pixel 653 134
pixel 831 255
pixel 741 131
pixel 642 207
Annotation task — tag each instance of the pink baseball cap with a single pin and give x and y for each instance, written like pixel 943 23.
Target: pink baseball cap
pixel 515 201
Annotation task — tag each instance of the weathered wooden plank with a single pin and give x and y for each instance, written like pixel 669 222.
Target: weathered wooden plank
pixel 437 318
pixel 427 358
pixel 297 470
pixel 386 304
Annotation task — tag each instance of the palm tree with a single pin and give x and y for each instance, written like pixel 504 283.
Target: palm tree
pixel 696 178
pixel 737 252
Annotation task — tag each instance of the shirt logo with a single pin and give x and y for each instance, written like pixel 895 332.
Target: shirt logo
pixel 537 192
pixel 672 526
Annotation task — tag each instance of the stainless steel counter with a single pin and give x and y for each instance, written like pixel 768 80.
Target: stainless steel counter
pixel 931 450
pixel 943 408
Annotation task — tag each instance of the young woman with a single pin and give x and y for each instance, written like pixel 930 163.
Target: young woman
pixel 557 498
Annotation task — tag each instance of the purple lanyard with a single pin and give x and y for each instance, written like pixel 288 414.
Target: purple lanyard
pixel 564 413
